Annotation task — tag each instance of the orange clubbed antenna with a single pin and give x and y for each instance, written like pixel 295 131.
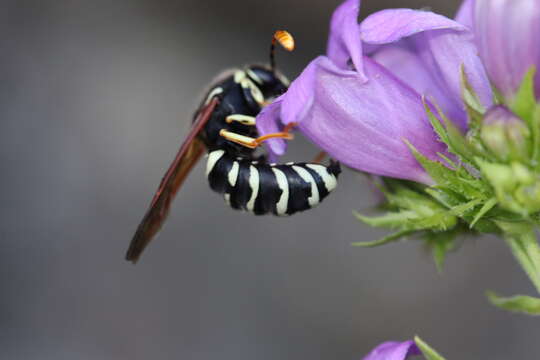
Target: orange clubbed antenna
pixel 285 39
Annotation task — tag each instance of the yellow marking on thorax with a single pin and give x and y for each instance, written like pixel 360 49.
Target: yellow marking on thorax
pixel 239 76
pixel 213 93
pixel 254 76
pixel 246 83
pixel 284 80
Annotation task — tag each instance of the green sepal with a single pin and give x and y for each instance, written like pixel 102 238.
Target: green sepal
pixel 428 352
pixel 470 97
pixel 440 221
pixel 404 197
pixel 412 221
pixel 525 106
pixel 521 238
pixel 516 187
pixel 450 134
pixel 461 209
pixel 473 105
pixel 476 190
pixel 440 244
pixel 520 303
pixel 445 196
pixel 446 177
pixel 410 208
pixel 392 220
pixel 535 136
pixel 385 240
pixel 524 103
pixel 488 205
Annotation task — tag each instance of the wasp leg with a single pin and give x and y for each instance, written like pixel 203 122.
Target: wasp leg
pixel 242 119
pixel 238 139
pixel 253 143
pixel 319 158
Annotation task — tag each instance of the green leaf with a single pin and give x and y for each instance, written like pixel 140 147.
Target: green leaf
pixel 504 180
pixel 445 196
pixel 441 243
pixel 520 303
pixel 450 162
pixel 436 123
pixel 440 221
pixel 535 131
pixel 450 134
pixel 521 239
pixel 391 220
pixel 497 95
pixel 458 144
pixel 473 105
pixel 460 210
pixel 406 198
pixel 483 211
pixel 385 240
pixel 470 97
pixel 427 351
pixel 445 177
pixel 436 170
pixel 524 102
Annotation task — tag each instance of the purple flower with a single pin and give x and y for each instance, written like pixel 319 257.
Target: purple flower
pixel 364 98
pixel 506 33
pixel 392 350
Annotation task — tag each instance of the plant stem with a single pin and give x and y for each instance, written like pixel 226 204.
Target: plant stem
pixel 523 243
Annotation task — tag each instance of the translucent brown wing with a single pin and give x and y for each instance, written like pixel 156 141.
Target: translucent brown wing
pixel 188 155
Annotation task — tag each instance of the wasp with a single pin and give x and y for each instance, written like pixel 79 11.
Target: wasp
pixel 224 126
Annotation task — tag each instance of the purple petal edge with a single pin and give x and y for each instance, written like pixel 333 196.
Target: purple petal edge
pixel 393 350
pixel 391 25
pixel 427 51
pixel 344 41
pixel 363 125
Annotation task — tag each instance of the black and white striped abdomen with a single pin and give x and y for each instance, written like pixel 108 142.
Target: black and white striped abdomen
pixel 280 189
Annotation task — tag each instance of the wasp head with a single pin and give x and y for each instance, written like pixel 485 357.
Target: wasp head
pixel 271 83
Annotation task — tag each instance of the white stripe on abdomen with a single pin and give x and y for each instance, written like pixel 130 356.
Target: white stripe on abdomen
pixel 254 185
pixel 213 158
pixel 306 176
pixel 281 206
pixel 330 181
pixel 233 174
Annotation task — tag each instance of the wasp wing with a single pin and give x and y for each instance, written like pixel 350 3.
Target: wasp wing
pixel 188 155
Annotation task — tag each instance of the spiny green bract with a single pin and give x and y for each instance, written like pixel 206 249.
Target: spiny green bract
pixel 478 188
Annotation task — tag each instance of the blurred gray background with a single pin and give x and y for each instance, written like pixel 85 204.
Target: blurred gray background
pixel 95 98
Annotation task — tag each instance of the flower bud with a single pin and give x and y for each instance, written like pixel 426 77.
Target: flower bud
pixel 529 197
pixel 504 134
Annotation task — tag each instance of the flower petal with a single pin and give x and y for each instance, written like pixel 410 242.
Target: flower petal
pixel 344 41
pixel 392 350
pixel 363 125
pixel 392 25
pixel 465 13
pixel 500 115
pixel 507 37
pixel 267 124
pixel 290 107
pixel 405 63
pixel 427 51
